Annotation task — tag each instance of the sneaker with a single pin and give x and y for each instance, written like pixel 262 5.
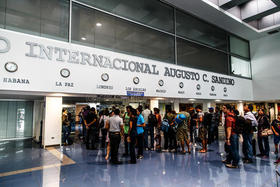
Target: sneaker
pixel 164 150
pixel 247 161
pixel 225 161
pixel 173 150
pixel 146 149
pixel 152 149
pixel 139 157
pixel 277 161
pixel 231 166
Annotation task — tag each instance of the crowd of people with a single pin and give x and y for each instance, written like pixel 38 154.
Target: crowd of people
pixel 145 130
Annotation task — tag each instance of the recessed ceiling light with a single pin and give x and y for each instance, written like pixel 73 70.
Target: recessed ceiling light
pixel 192 100
pixel 98 24
pixel 83 38
pixel 217 100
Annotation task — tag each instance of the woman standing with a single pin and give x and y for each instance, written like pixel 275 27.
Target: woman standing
pixel 140 133
pixel 132 135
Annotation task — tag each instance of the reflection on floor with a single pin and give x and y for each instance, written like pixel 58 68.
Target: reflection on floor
pixel 89 168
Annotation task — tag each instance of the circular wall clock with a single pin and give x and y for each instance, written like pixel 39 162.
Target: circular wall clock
pixel 181 85
pixel 136 80
pixel 160 82
pixel 65 73
pixel 213 88
pixel 11 67
pixel 105 77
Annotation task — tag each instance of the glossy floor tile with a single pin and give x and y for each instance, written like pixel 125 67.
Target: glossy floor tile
pixel 155 170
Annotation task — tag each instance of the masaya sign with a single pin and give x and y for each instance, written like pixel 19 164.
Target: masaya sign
pixel 31 63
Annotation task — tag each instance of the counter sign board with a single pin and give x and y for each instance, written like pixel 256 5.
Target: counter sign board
pixel 44 65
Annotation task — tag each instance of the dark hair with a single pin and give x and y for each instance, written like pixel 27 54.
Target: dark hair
pixel 139 109
pixel 198 107
pixel 250 107
pixel 211 109
pixel 92 109
pixel 146 106
pixel 183 108
pixel 133 112
pixel 128 107
pixel 236 112
pixel 106 112
pixel 117 111
pixel 228 106
pixel 156 110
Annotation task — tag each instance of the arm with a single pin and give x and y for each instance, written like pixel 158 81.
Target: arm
pixel 228 135
pixel 122 130
pixel 91 122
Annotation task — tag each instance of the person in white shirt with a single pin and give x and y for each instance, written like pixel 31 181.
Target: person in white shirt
pixel 115 126
pixel 250 124
pixel 149 129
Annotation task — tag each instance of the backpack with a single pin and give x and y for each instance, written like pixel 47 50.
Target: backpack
pixel 102 123
pixel 179 120
pixel 152 119
pixel 165 125
pixel 239 124
pixel 248 126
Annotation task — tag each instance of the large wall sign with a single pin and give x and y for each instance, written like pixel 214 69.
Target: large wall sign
pixel 40 59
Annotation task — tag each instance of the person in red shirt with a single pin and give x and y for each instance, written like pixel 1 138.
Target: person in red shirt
pixel 232 143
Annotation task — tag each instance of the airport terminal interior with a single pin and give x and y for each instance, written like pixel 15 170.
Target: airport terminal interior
pixel 148 93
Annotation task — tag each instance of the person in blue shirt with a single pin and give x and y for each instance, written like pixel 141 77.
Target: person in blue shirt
pixel 140 133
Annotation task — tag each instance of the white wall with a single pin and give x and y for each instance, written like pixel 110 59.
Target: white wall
pixel 265 54
pixel 52 127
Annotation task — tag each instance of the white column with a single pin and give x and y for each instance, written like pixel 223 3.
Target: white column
pixel 52 126
pixel 206 105
pixel 154 103
pixel 176 105
pixel 240 108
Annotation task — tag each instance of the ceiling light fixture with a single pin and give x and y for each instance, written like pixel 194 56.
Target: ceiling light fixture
pixel 98 24
pixel 83 38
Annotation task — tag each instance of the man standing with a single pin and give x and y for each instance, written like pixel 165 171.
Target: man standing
pixel 210 123
pixel 263 142
pixel 149 128
pixel 250 125
pixel 91 128
pixel 115 125
pixel 232 143
pixel 182 130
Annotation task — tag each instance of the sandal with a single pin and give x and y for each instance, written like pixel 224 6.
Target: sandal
pixel 202 151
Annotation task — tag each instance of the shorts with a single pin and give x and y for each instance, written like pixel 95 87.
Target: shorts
pixel 203 133
pixel 276 139
pixel 182 134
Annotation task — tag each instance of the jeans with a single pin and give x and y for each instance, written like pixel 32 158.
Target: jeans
pixel 263 145
pixel 247 146
pixel 91 138
pixel 132 148
pixel 167 139
pixel 66 132
pixel 140 140
pixel 115 140
pixel 234 149
pixel 149 130
pixel 125 144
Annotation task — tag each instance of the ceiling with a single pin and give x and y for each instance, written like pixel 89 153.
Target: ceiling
pixel 250 19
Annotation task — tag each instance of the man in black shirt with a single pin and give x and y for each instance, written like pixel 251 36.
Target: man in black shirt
pixel 91 128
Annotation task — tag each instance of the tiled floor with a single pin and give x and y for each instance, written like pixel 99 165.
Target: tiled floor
pixel 155 170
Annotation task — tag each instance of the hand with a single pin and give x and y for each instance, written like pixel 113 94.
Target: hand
pixel 228 142
pixel 128 139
